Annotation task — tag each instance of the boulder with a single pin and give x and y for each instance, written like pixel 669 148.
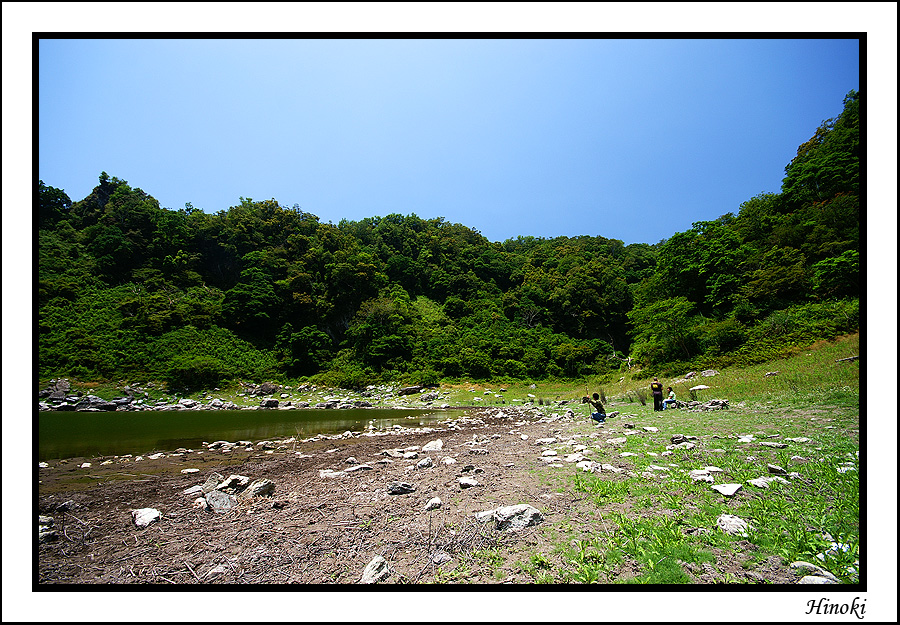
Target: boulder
pixel 410 390
pixel 424 463
pixel 436 445
pixel 375 571
pixel 467 482
pixel 270 402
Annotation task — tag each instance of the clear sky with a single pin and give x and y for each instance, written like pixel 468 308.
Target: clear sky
pixel 632 139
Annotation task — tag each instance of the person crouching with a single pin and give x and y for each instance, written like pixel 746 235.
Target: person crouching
pixel 599 413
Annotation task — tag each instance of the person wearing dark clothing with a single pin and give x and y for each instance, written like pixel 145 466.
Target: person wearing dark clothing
pixel 599 414
pixel 657 389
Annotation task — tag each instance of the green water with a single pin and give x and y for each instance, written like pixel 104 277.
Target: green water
pixel 88 434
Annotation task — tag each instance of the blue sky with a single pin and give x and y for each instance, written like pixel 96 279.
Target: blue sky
pixel 631 139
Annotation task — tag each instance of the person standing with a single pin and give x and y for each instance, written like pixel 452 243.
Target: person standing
pixel 669 402
pixel 657 389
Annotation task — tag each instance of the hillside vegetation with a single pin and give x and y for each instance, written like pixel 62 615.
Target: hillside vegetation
pixel 129 289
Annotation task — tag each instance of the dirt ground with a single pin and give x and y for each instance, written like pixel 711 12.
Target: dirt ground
pixel 325 530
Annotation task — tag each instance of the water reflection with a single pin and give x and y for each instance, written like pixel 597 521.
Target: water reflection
pixel 72 434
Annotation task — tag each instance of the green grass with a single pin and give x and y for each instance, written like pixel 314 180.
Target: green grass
pixel 652 530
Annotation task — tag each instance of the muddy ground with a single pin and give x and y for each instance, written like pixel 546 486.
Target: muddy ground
pixel 324 530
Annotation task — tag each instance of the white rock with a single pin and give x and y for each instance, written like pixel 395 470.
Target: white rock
pixel 44 465
pixel 815 579
pixel 448 460
pixel 145 516
pixel 517 517
pixel 726 489
pixel 701 475
pixel 648 428
pixel 467 482
pixel 190 470
pixel 435 445
pixel 375 571
pixel 764 481
pixel 86 465
pixel 433 504
pixel 424 463
pixel 549 452
pixel 732 525
pixel 812 569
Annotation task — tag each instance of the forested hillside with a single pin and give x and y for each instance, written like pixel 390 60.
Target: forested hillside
pixel 129 289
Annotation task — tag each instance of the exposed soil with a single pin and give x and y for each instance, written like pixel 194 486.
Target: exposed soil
pixel 324 530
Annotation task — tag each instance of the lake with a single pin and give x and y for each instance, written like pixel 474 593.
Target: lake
pixel 88 434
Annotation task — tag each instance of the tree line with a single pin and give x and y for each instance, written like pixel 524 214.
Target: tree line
pixel 129 289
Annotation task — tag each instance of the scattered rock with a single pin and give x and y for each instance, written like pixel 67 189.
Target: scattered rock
pixel 190 470
pixel 259 488
pixel 220 501
pixel 772 444
pixel 520 516
pixel 234 484
pixel 812 569
pixel 775 469
pixel 815 579
pixel 436 445
pixel 377 570
pixel 433 504
pixel 211 482
pixel 726 489
pixel 400 488
pixel 467 482
pixel 145 516
pixel 360 467
pixel 424 463
pixel 733 525
pixel 764 481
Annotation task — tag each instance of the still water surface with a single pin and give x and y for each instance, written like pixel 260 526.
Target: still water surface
pixel 87 434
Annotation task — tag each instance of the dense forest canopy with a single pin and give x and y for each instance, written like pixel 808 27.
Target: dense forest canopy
pixel 129 289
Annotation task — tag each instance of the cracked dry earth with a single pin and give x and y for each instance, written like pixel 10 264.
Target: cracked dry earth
pixel 316 529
